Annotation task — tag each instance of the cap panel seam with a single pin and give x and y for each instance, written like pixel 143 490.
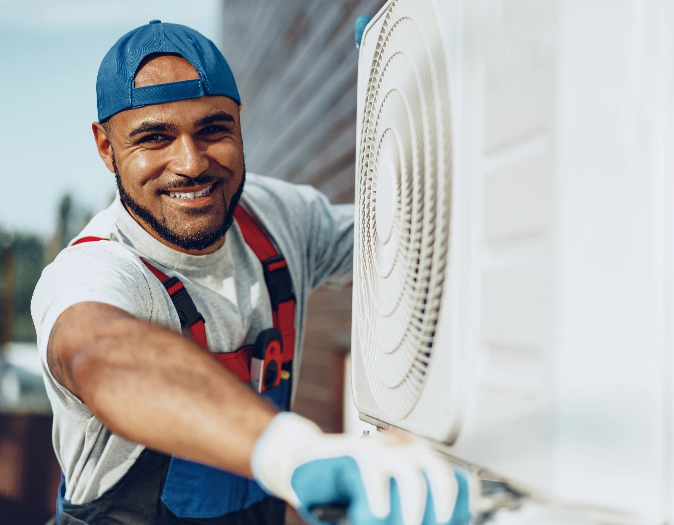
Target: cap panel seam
pixel 195 64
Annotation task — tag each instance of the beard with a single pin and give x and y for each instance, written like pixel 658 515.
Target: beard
pixel 196 241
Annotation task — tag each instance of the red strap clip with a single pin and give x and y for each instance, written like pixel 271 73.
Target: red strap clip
pixel 265 366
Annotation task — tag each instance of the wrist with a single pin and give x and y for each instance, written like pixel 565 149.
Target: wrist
pixel 276 453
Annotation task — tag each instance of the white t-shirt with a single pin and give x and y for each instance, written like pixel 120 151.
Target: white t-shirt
pixel 227 286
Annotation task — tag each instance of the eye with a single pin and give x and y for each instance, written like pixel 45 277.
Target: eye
pixel 215 130
pixel 153 138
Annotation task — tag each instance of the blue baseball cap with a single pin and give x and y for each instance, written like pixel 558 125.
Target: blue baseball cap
pixel 115 88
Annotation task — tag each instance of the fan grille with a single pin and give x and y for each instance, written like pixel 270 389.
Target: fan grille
pixel 403 195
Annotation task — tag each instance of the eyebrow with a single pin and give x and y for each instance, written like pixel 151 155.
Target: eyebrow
pixel 152 127
pixel 159 127
pixel 220 116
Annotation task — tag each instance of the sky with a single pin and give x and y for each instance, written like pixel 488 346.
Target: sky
pixel 49 57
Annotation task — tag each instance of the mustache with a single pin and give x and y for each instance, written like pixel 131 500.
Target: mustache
pixel 186 182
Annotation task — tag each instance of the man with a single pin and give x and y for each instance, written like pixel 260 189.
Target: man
pixel 149 426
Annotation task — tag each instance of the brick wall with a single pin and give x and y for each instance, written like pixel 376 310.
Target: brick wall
pixel 327 337
pixel 29 472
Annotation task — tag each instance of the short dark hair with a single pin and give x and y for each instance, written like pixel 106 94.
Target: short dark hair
pixel 107 127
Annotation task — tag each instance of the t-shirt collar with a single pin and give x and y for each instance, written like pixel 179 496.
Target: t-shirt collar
pixel 142 241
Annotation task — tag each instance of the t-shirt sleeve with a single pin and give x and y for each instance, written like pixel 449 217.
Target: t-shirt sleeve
pixel 318 233
pixel 330 242
pixel 104 272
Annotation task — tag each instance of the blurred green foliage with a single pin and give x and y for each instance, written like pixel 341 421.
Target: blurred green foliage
pixel 29 257
pixel 28 254
pixel 31 253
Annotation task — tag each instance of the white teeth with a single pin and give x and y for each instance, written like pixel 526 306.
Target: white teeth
pixel 193 195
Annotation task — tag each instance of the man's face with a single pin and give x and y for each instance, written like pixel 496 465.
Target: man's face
pixel 180 164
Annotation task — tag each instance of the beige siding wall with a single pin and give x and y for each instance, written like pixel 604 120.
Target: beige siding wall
pixel 295 62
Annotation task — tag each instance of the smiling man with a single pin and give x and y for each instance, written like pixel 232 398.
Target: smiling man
pixel 170 329
pixel 189 209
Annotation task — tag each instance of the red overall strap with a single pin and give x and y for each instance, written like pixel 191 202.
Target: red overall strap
pixel 276 276
pixel 187 312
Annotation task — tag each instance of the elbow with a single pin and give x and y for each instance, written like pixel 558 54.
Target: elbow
pixel 88 368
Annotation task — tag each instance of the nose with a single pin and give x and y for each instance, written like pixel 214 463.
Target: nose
pixel 187 158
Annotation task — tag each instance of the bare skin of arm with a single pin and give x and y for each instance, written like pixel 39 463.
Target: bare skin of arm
pixel 155 387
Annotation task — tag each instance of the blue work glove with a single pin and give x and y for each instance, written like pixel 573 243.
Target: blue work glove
pixel 382 480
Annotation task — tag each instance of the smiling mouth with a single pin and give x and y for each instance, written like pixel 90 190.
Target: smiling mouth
pixel 191 195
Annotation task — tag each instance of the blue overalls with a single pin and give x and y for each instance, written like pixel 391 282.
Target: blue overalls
pixel 159 489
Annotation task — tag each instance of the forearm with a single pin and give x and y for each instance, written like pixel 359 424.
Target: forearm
pixel 154 387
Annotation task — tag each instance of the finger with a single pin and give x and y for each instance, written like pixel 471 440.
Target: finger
pixel 413 493
pixel 442 488
pixel 376 483
pixel 462 509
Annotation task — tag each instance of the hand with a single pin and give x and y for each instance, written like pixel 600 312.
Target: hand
pixel 383 481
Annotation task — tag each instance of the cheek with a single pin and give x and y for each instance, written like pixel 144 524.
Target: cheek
pixel 228 155
pixel 143 164
pixel 143 168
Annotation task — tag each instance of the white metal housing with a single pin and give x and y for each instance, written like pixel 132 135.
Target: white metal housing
pixel 551 357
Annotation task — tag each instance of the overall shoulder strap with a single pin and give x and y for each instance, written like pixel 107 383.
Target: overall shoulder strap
pixel 276 276
pixel 190 318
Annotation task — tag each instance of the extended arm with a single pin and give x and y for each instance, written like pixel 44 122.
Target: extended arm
pixel 155 387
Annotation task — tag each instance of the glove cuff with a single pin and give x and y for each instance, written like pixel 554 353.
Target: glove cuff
pixel 278 452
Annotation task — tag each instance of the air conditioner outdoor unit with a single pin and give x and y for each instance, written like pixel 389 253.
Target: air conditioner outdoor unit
pixel 514 271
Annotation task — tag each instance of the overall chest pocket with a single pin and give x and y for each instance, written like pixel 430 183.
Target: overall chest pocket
pixel 194 490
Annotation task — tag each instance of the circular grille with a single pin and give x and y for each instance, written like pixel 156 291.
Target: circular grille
pixel 403 196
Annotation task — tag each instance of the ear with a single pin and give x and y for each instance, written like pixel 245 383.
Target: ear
pixel 103 144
